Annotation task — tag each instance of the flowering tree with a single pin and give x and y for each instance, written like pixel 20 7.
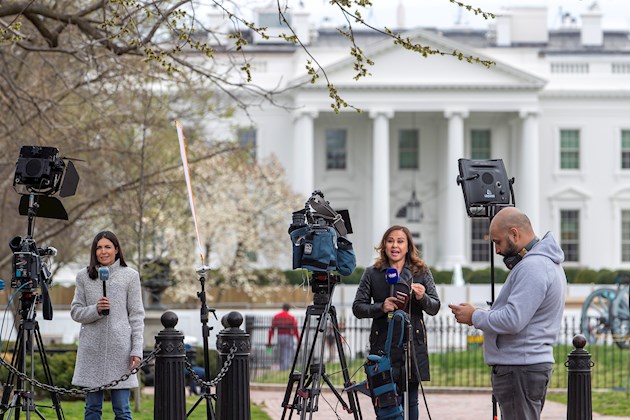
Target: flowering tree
pixel 244 210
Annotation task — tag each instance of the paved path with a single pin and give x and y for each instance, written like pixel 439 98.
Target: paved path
pixel 454 405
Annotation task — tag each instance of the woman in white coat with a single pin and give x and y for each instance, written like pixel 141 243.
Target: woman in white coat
pixel 109 345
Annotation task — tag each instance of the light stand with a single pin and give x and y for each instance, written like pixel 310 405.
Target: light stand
pixel 205 331
pixel 487 189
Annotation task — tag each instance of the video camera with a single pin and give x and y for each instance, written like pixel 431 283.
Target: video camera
pixel 28 269
pixel 318 234
pixel 39 174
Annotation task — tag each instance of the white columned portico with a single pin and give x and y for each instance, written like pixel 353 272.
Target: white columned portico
pixel 453 219
pixel 527 188
pixel 380 173
pixel 303 179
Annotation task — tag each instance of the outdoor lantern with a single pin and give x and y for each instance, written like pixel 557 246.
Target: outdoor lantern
pixel 414 209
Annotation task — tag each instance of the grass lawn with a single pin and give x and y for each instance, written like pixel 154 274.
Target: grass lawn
pixel 609 403
pixel 74 409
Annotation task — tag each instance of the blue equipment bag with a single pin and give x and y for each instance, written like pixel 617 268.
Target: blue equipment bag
pixel 346 260
pixel 318 248
pixel 314 248
pixel 380 376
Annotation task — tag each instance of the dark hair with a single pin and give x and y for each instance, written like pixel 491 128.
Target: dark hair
pixel 413 260
pixel 286 307
pixel 92 268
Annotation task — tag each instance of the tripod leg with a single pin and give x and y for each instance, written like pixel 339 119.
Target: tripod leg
pixel 49 380
pixel 9 385
pixel 353 399
pixel 296 376
pixel 18 363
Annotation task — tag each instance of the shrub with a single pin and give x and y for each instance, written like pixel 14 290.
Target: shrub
pixel 585 276
pixel 442 277
pixel 61 367
pixel 483 276
pixel 571 273
pixel 355 277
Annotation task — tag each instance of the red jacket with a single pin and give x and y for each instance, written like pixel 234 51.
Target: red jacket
pixel 286 325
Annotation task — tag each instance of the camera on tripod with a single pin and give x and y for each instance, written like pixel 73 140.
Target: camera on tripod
pixel 318 234
pixel 39 174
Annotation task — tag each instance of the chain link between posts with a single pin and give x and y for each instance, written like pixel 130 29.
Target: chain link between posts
pixel 220 375
pixel 83 391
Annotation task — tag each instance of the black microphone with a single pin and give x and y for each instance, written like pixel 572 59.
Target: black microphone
pixel 392 278
pixel 103 275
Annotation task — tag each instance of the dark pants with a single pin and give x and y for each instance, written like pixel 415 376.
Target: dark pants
pixel 520 390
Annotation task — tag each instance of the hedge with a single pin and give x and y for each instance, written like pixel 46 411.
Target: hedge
pixel 482 276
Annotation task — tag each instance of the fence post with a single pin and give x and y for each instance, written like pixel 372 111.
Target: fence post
pixel 170 388
pixel 233 399
pixel 579 403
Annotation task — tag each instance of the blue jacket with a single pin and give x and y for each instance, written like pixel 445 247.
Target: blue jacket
pixel 524 321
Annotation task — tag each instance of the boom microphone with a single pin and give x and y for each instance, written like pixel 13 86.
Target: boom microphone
pixel 392 278
pixel 103 275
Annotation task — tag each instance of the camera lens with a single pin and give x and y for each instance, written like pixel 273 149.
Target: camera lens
pixel 299 219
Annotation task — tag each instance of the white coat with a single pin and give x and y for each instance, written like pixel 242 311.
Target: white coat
pixel 106 343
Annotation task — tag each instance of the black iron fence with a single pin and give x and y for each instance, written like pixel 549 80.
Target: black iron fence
pixel 456 353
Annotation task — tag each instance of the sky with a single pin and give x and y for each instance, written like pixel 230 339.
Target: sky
pixel 444 14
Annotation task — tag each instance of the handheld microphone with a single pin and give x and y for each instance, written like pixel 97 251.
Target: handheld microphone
pixel 103 275
pixel 392 278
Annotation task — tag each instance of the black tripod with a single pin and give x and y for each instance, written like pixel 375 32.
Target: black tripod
pixel 309 379
pixel 205 331
pixel 23 398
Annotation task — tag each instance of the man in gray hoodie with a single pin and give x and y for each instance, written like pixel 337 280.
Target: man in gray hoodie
pixel 524 321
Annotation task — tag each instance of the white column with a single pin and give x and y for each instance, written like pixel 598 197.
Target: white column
pixel 303 175
pixel 453 213
pixel 527 188
pixel 380 173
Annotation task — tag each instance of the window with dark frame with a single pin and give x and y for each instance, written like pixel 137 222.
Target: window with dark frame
pixel 570 234
pixel 625 235
pixel 247 140
pixel 480 144
pixel 480 240
pixel 569 149
pixel 625 149
pixel 408 149
pixel 336 149
pixel 480 148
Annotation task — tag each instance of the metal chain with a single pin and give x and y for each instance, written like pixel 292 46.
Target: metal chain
pixel 220 375
pixel 75 391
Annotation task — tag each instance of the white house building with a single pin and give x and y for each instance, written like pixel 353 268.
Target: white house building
pixel 555 108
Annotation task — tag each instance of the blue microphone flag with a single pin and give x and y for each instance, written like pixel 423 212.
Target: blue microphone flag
pixel 103 273
pixel 392 276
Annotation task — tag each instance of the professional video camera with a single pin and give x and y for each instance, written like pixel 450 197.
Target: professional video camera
pixel 28 269
pixel 39 174
pixel 318 234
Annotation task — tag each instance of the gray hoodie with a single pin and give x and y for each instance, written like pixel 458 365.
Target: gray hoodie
pixel 525 319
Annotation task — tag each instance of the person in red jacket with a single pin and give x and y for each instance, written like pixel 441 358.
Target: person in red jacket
pixel 286 324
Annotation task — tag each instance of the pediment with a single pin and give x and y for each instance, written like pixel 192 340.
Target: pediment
pixel 396 67
pixel 570 194
pixel 621 194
